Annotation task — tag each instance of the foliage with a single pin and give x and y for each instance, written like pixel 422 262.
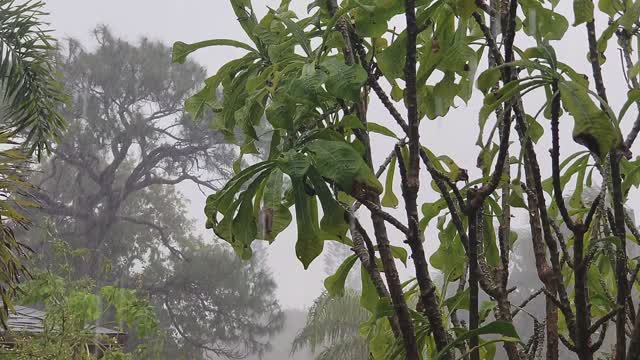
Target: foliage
pixel 31 89
pixel 30 94
pixel 313 77
pixel 108 190
pixel 332 327
pixel 74 311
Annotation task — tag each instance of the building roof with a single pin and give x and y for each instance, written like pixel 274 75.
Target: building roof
pixel 31 320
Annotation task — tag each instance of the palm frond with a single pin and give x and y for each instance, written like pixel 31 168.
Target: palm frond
pixel 14 195
pixel 29 83
pixel 331 324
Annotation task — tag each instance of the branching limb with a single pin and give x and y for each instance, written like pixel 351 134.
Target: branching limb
pixel 163 236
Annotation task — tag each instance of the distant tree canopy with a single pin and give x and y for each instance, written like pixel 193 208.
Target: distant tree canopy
pixel 109 188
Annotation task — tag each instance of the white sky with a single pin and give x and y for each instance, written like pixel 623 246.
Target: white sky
pixel 195 20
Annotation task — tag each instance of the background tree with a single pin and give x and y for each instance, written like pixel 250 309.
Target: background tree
pixel 315 76
pixel 109 189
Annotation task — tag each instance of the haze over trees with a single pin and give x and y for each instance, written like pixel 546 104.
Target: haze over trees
pixel 108 190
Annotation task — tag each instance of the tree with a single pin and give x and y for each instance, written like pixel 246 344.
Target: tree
pixel 332 327
pixel 108 190
pixel 314 76
pixel 30 96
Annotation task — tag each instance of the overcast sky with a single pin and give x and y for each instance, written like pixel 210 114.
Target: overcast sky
pixel 195 20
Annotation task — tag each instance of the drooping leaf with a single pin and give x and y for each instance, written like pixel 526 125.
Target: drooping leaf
pixel 503 328
pixel 630 15
pixel 488 79
pixel 633 96
pixel 390 199
pixel 369 295
pixel 201 102
pixel 399 253
pixel 297 32
pixel 430 211
pixel 310 243
pixel 181 49
pixel 582 11
pixel 592 128
pixel 380 129
pixel 392 59
pixel 344 81
pixel 333 223
pixel 335 283
pixel 341 163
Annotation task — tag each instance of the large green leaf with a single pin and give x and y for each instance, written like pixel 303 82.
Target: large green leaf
pixel 297 32
pixel 280 114
pixel 513 88
pixel 592 128
pixel 307 89
pixel 370 21
pixel 390 199
pixel 369 295
pixel 392 59
pixel 381 129
pixel 273 217
pixel 181 49
pixel 335 283
pixel 542 23
pixel 450 256
pixel 344 81
pixel 221 201
pixel 582 11
pixel 341 163
pixel 244 228
pixel 493 328
pixel 201 102
pixel 610 7
pixel 630 15
pixel 310 243
pixel 430 211
pixel 333 223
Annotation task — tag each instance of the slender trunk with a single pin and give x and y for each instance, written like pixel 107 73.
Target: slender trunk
pixel 380 230
pixel 634 345
pixel 367 259
pixel 583 316
pixel 411 184
pixel 474 270
pixel 545 273
pixel 618 205
pixel 621 256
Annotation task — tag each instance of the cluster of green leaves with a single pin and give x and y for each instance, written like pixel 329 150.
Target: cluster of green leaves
pixel 292 91
pixel 73 311
pixel 298 75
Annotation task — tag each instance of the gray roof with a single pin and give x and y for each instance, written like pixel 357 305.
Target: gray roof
pixel 31 320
